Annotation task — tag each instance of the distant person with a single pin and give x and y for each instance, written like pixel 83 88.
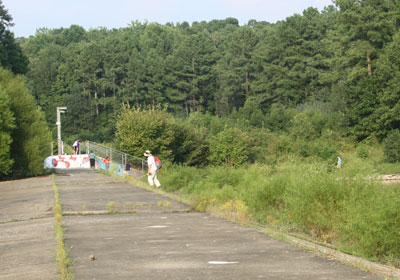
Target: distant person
pixel 339 162
pixel 107 162
pixel 78 150
pixel 92 158
pixel 75 147
pixel 128 168
pixel 152 170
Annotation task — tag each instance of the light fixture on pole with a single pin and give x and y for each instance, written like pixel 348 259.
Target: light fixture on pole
pixel 58 123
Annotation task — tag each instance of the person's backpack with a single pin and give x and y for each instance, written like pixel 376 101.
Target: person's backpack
pixel 158 162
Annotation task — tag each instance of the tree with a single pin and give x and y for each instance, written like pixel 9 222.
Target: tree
pixel 7 124
pixel 364 27
pixel 145 129
pixel 236 70
pixel 11 55
pixel 387 114
pixel 291 60
pixel 30 137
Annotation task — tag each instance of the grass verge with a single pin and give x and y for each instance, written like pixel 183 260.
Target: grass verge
pixel 61 257
pixel 337 208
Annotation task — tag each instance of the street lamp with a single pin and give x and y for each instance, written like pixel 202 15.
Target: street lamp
pixel 58 123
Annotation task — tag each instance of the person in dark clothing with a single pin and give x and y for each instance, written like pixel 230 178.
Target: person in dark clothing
pixel 92 158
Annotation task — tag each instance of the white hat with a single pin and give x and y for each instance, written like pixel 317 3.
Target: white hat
pixel 147 153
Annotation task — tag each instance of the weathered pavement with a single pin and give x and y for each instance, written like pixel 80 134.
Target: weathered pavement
pixel 156 237
pixel 27 241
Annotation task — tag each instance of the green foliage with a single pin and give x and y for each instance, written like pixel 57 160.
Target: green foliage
pixel 334 207
pixel 11 55
pixel 362 151
pixel 30 137
pixel 7 123
pixel 279 118
pixel 344 57
pixel 230 147
pixel 372 214
pixel 391 146
pixel 145 129
pixel 155 130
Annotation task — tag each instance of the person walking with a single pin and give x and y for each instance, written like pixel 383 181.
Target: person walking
pixel 339 162
pixel 152 170
pixel 92 158
pixel 107 162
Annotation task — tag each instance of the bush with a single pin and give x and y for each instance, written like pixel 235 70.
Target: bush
pixel 146 129
pixel 372 223
pixel 362 151
pixel 179 177
pixel 279 118
pixel 7 123
pixel 229 147
pixel 391 146
pixel 314 204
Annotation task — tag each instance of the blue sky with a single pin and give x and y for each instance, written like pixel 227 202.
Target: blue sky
pixel 29 15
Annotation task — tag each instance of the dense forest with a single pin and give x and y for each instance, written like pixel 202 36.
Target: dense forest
pixel 344 60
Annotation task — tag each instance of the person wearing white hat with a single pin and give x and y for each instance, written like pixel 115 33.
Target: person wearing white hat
pixel 152 170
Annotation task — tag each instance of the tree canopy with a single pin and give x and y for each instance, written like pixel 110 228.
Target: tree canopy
pixel 11 55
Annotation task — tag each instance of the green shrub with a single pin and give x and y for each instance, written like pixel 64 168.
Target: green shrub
pixel 145 129
pixel 303 127
pixel 391 146
pixel 7 123
pixel 279 118
pixel 314 203
pixel 179 177
pixel 229 147
pixel 372 223
pixel 362 151
pixel 263 192
pixel 322 148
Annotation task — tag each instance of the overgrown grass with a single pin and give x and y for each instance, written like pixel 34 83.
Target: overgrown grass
pixel 61 257
pixel 343 208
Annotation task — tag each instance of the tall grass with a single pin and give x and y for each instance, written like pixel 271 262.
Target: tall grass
pixel 344 208
pixel 61 256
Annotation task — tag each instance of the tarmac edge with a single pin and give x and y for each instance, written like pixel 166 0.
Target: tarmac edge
pixel 380 270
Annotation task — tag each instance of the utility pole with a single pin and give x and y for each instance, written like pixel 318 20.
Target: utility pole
pixel 58 123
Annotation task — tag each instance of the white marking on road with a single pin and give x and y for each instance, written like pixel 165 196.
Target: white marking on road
pixel 157 227
pixel 221 262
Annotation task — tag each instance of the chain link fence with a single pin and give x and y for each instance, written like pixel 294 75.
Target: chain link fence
pixel 120 162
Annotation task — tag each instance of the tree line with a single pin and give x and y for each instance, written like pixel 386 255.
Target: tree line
pixel 24 134
pixel 330 72
pixel 345 57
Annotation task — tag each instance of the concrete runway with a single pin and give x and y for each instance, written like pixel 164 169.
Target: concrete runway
pixel 138 234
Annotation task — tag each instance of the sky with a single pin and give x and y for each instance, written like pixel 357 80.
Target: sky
pixel 29 15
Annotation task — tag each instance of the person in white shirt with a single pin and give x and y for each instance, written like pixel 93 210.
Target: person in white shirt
pixel 75 147
pixel 152 170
